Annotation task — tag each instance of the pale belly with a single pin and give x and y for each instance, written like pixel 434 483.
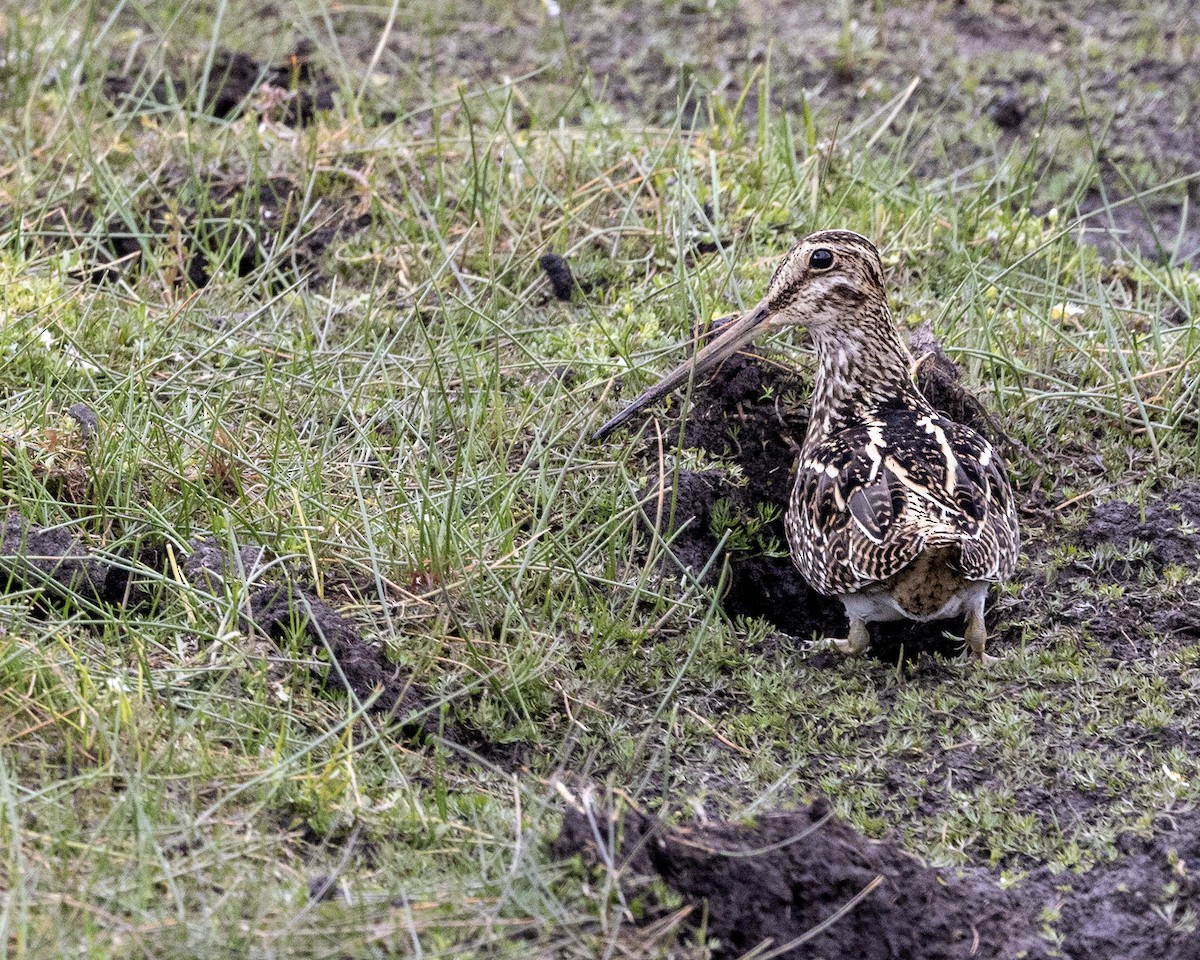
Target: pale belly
pixel 927 589
pixel 873 607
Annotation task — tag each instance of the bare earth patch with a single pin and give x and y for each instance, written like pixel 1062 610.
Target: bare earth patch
pixel 801 883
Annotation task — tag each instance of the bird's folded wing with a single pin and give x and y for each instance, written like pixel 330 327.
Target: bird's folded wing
pixel 874 496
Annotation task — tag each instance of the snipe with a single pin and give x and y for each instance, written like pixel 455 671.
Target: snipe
pixel 897 511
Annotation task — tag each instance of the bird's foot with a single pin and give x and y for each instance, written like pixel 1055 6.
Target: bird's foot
pixel 855 643
pixel 976 637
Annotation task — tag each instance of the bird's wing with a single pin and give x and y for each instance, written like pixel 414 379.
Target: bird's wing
pixel 869 499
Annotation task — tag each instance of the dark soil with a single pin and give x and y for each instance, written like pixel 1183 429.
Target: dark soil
pixel 753 414
pixel 558 271
pixel 51 561
pixel 1141 538
pixel 777 881
pixel 356 665
pixel 290 92
pixel 1126 545
pixel 237 227
pixel 1167 526
pixel 1156 229
pixel 54 563
pixel 1007 111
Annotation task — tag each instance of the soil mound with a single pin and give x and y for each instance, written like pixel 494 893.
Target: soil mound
pixel 290 92
pixel 813 889
pixel 53 563
pixel 236 226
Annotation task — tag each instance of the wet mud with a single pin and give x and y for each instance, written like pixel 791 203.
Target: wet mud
pixel 1129 544
pixel 1156 533
pixel 639 58
pixel 807 886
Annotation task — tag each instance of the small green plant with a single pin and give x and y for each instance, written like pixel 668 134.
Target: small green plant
pixel 742 532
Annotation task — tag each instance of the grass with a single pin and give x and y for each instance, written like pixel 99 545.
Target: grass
pixel 406 432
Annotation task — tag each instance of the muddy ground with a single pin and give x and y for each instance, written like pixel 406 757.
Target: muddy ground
pixel 238 227
pixel 795 876
pixel 186 229
pixel 987 85
pixel 781 878
pixel 991 80
pixel 290 91
pixel 52 563
pixel 804 884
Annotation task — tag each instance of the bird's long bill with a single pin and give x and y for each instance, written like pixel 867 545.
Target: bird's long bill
pixel 731 339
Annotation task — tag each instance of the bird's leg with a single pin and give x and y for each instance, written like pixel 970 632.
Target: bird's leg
pixel 976 637
pixel 855 644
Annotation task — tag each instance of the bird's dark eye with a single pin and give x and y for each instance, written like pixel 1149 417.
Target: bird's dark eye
pixel 821 259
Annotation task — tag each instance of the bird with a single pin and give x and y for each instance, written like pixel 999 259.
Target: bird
pixel 896 510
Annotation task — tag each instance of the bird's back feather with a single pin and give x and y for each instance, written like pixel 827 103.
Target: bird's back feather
pixel 873 496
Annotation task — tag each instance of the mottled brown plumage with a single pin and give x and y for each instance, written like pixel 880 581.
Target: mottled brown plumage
pixel 896 510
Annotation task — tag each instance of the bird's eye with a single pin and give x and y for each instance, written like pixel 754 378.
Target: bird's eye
pixel 821 259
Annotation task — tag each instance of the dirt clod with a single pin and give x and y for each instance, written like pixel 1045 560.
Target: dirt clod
pixel 752 415
pixel 52 560
pixel 562 281
pixel 209 564
pixel 1007 111
pixel 85 416
pixel 940 382
pixel 356 665
pixel 291 91
pixel 322 888
pixel 239 226
pixel 778 881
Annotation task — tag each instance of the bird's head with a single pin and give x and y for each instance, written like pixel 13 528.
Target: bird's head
pixel 826 283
